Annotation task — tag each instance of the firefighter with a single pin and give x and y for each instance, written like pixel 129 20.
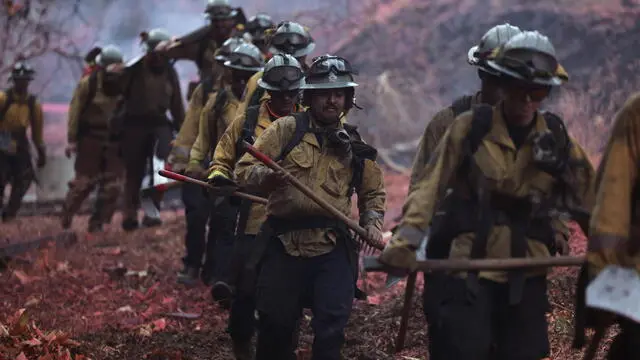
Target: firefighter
pixel 613 234
pixel 289 38
pixel 257 27
pixel 200 46
pixel 19 111
pixel 488 94
pixel 218 113
pixel 98 162
pixel 283 80
pixel 308 258
pixel 150 88
pixel 510 169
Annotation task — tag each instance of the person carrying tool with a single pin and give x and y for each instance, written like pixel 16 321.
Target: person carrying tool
pixel 217 115
pixel 613 233
pixel 150 88
pixel 98 160
pixel 282 80
pixel 511 169
pixel 489 93
pixel 19 110
pixel 307 257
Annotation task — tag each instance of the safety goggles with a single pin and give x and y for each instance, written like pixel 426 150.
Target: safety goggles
pixel 243 60
pixel 532 93
pixel 283 75
pixel 327 64
pixel 535 67
pixel 293 39
pixel 259 23
pixel 220 12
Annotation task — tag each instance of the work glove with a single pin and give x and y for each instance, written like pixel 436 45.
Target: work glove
pixel 400 253
pixel 273 180
pixel 222 183
pixel 373 233
pixel 195 170
pixel 219 179
pixel 42 157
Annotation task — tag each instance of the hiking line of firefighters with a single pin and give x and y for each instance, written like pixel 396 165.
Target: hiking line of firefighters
pixel 494 177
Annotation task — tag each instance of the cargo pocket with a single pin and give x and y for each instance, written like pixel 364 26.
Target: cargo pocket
pixel 336 181
pixel 302 162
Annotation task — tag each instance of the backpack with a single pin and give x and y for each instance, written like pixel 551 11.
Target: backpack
pixel 31 104
pixel 360 150
pixel 446 227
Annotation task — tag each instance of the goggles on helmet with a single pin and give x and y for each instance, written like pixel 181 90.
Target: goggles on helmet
pixel 282 76
pixel 530 65
pixel 243 60
pixel 326 64
pixel 294 39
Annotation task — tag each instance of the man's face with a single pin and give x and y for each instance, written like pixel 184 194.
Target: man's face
pixel 21 85
pixel 523 99
pixel 282 101
pixel 223 27
pixel 328 104
pixel 239 79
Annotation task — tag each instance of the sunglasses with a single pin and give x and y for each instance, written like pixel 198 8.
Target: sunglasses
pixel 326 64
pixel 533 93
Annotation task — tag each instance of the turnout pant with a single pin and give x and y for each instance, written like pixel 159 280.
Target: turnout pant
pixel 137 148
pixel 286 284
pixel 17 171
pixel 222 226
pixel 242 320
pixel 98 164
pixel 196 207
pixel 482 325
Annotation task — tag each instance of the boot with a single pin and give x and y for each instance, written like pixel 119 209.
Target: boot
pixel 148 221
pixel 243 350
pixel 130 224
pixel 188 276
pixel 222 293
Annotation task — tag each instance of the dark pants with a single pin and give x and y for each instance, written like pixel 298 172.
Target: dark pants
pixel 625 345
pixel 222 223
pixel 137 149
pixel 16 170
pixel 197 209
pixel 286 284
pixel 242 321
pixel 483 326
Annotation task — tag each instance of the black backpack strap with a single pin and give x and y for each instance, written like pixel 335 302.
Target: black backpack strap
pixel 248 128
pixel 302 127
pixel 461 104
pixel 31 105
pixel 360 153
pixel 256 96
pixel 481 122
pixel 218 108
pixel 559 130
pixel 9 101
pixel 207 88
pixel 202 48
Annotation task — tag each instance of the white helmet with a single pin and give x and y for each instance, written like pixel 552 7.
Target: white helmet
pixel 531 57
pixel 491 40
pixel 282 73
pixel 246 57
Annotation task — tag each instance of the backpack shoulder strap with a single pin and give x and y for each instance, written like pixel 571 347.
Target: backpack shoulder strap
pixel 31 104
pixel 248 128
pixel 93 89
pixel 207 88
pixel 256 96
pixel 218 108
pixel 202 48
pixel 558 128
pixel 480 125
pixel 9 100
pixel 461 104
pixel 302 127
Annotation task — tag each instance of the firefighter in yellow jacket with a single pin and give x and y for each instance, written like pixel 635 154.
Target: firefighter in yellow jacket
pixel 150 88
pixel 218 113
pixel 19 111
pixel 613 234
pixel 98 160
pixel 309 259
pixel 283 79
pixel 289 38
pixel 489 94
pixel 510 168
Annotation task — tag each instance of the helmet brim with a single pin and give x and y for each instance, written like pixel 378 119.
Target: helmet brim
pixel 330 85
pixel 296 54
pixel 295 86
pixel 244 68
pixel 231 15
pixel 504 71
